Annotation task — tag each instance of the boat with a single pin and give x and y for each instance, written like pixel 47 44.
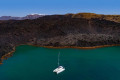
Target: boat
pixel 59 69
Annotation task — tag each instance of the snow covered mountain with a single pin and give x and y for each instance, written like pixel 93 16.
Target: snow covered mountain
pixel 31 16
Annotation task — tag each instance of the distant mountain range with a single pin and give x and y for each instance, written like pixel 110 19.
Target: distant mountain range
pixel 31 16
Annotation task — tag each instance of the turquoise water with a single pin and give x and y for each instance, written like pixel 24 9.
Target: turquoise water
pixel 37 63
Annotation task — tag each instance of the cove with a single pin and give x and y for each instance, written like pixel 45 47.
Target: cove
pixel 38 63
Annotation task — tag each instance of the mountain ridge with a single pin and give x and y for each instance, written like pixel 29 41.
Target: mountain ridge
pixel 30 16
pixel 115 18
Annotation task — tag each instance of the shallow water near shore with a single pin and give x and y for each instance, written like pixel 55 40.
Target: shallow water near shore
pixel 38 63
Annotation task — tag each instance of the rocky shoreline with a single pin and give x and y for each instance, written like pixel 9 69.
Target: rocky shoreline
pixel 6 56
pixel 59 31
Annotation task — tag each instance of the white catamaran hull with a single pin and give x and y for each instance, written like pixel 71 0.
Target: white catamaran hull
pixel 59 69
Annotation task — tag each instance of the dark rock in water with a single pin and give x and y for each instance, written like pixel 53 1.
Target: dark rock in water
pixel 58 31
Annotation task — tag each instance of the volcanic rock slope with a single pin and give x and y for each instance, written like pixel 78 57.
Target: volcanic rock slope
pixel 59 31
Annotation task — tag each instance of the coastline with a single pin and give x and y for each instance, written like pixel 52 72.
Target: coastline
pixel 94 47
pixel 73 31
pixel 6 56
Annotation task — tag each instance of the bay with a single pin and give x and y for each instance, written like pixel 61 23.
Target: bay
pixel 38 63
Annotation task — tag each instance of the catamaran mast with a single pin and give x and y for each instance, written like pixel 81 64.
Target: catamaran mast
pixel 58 58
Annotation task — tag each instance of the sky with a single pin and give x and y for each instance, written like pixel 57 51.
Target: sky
pixel 49 7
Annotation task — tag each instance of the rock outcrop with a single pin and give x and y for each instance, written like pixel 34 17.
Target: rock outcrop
pixel 59 31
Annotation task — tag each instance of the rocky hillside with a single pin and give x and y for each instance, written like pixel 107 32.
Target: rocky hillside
pixel 115 18
pixel 59 31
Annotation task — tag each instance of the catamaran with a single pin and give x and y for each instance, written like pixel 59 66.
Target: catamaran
pixel 60 68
